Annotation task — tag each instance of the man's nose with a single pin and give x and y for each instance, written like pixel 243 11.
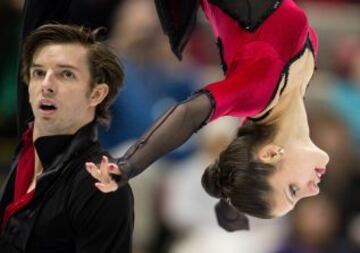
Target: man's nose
pixel 48 84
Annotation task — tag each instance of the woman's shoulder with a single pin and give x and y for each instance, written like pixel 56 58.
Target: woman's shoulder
pixel 251 79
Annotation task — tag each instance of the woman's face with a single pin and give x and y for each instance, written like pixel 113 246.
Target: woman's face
pixel 297 175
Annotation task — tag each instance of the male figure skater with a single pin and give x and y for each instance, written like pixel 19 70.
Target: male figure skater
pixel 49 202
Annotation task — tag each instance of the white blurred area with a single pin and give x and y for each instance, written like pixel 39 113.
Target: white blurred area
pixel 173 214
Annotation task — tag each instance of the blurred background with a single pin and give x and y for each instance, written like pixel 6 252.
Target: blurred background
pixel 172 212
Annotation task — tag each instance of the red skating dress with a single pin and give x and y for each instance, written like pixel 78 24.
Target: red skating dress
pixel 258 41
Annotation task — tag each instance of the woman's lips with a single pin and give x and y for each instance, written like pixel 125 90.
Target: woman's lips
pixel 321 171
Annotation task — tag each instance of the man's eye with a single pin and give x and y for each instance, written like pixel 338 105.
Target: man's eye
pixel 38 73
pixel 293 189
pixel 68 74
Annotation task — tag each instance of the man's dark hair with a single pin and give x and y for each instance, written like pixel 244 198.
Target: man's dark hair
pixel 104 65
pixel 239 176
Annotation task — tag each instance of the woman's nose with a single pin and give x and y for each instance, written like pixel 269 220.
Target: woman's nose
pixel 324 158
pixel 327 158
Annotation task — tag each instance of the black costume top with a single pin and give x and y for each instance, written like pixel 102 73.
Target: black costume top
pixel 67 212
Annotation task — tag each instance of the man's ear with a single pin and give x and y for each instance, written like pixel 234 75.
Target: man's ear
pixel 270 153
pixel 98 94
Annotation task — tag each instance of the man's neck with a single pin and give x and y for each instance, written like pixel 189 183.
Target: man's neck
pixel 42 131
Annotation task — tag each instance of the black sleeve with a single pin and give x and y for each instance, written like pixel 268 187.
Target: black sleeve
pixel 167 133
pixel 101 223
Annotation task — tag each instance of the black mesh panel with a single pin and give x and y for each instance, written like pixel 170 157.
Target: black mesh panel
pixel 167 133
pixel 249 13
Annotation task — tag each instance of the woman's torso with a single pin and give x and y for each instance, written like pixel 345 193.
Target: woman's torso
pixel 282 26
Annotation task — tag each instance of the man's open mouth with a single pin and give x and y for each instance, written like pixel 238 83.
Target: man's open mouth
pixel 47 106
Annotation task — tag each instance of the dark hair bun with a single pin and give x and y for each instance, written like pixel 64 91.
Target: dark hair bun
pixel 211 180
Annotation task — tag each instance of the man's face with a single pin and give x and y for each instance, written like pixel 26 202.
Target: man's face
pixel 59 89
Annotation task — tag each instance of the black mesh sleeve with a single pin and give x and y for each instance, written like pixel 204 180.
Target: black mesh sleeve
pixel 167 133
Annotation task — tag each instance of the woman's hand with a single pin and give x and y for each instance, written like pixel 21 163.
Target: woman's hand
pixel 107 175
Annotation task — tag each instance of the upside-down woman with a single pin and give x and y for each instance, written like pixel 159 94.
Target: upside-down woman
pixel 268 52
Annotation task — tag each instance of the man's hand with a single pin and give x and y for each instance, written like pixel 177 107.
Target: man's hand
pixel 106 174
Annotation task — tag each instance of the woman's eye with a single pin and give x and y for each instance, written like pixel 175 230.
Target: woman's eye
pixel 293 189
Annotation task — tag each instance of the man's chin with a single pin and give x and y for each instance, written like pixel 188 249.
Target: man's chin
pixel 47 124
pixel 47 113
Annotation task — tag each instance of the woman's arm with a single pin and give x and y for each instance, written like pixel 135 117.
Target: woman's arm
pixel 167 133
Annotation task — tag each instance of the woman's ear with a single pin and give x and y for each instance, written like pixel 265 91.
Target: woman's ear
pixel 98 94
pixel 270 153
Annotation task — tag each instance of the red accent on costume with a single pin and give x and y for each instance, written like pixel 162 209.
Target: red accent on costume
pixel 24 176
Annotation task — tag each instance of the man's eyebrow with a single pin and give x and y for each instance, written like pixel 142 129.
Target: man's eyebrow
pixel 35 65
pixel 67 66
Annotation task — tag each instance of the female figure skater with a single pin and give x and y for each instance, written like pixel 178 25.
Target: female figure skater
pixel 268 50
